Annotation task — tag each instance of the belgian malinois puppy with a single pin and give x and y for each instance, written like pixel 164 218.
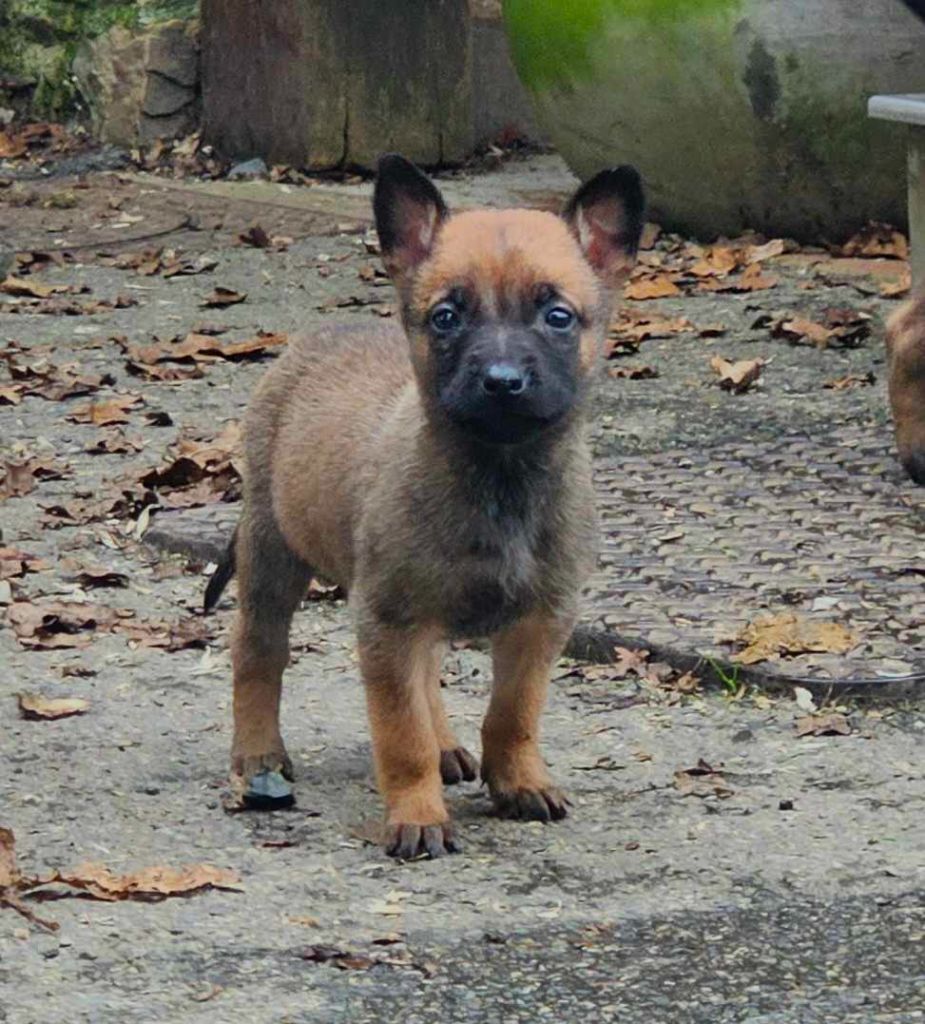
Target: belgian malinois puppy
pixel 441 475
pixel 905 346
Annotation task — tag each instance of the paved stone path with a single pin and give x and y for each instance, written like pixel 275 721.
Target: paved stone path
pixel 717 868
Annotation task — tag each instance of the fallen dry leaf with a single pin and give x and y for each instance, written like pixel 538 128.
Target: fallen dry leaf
pixel 35 375
pixel 758 253
pixel 194 348
pixel 35 707
pixel 21 478
pixel 106 412
pixel 223 297
pixel 148 884
pixel 752 279
pixel 633 372
pixel 853 380
pixel 660 287
pixel 770 636
pixel 15 563
pixel 703 780
pixel 901 286
pixel 737 376
pixel 627 660
pixel 826 724
pixel 876 239
pixel 60 624
pixel 11 880
pixel 31 289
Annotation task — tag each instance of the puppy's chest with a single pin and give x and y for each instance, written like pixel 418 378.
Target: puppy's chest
pixel 492 573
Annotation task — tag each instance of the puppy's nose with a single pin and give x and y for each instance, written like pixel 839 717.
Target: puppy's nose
pixel 504 379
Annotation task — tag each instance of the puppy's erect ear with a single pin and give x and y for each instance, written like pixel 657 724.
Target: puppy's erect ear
pixel 607 215
pixel 409 211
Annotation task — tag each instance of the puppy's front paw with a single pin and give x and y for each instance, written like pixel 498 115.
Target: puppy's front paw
pixel 456 765
pixel 546 804
pixel 410 842
pixel 521 788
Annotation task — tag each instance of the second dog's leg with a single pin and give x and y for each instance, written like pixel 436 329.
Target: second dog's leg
pixel 398 668
pixel 456 763
pixel 271 583
pixel 512 765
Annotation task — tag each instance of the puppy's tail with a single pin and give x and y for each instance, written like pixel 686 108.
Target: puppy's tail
pixel 221 577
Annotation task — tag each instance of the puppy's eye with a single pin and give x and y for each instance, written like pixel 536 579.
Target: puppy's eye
pixel 445 318
pixel 559 318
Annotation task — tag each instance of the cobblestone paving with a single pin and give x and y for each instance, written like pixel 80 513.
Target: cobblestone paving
pixel 696 544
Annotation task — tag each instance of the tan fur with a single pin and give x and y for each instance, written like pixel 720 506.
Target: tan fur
pixel 350 472
pixel 905 343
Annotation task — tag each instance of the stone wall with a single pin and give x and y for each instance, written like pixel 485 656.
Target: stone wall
pixel 317 83
pixel 40 39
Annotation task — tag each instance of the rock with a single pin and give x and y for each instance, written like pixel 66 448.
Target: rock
pixel 254 168
pixel 141 86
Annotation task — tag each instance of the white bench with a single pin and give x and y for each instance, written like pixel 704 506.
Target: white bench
pixel 910 109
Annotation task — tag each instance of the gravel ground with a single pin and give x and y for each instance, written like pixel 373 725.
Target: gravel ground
pixel 784 886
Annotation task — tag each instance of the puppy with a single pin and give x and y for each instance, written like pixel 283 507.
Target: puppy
pixel 905 346
pixel 440 474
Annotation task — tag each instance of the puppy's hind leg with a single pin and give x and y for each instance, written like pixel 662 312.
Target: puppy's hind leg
pixel 271 583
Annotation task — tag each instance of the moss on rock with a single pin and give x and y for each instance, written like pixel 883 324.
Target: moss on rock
pixel 39 38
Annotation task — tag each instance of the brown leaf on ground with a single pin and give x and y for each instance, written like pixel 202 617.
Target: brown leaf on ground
pixel 717 261
pixel 201 471
pixel 771 636
pixel 31 289
pixel 11 146
pixel 766 251
pixel 633 372
pixel 637 327
pixel 92 577
pixel 750 280
pixel 841 325
pixel 60 624
pixel 627 660
pixel 877 239
pixel 255 236
pixel 194 348
pixel 651 287
pixel 711 330
pixel 114 442
pixel 11 879
pixel 17 480
pixel 35 375
pixel 825 724
pixel 223 297
pixel 107 412
pixel 148 884
pixel 20 478
pixel 11 394
pixel 901 286
pixel 737 376
pixel 186 633
pixel 703 780
pixel 35 707
pixel 853 380
pixel 15 563
pixel 9 873
pixel 800 328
